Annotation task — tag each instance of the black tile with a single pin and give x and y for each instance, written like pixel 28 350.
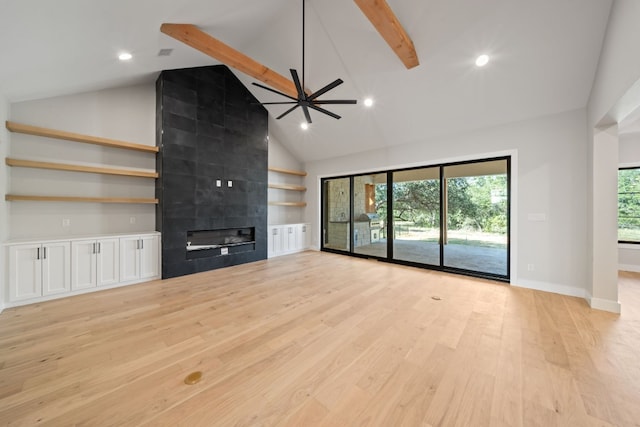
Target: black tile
pixel 180 108
pixel 173 121
pixel 178 166
pixel 213 130
pixel 175 91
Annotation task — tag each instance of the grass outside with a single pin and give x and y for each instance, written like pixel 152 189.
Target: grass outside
pixel 629 234
pixel 458 237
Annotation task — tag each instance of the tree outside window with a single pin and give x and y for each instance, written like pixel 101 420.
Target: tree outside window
pixel 629 205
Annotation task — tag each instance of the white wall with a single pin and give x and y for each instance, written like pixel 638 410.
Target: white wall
pixel 548 175
pixel 615 94
pixel 125 114
pixel 4 185
pixel 281 158
pixel 629 155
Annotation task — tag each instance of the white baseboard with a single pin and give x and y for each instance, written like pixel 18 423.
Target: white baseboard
pixel 555 288
pixel 604 304
pixel 629 267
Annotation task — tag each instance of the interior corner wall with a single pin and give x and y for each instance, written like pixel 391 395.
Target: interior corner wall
pixel 126 113
pixel 548 176
pixel 619 64
pixel 614 94
pixel 280 157
pixel 4 186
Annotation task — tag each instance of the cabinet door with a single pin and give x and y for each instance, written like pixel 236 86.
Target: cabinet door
pixel 149 256
pixel 275 241
pixel 83 264
pixel 107 262
pixel 290 239
pixel 56 268
pixel 302 236
pixel 129 259
pixel 25 272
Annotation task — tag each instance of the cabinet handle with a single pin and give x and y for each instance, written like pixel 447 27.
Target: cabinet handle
pixel 304 228
pixel 275 231
pixel 38 253
pixel 138 244
pixel 44 250
pixel 93 249
pixel 99 248
pixel 141 244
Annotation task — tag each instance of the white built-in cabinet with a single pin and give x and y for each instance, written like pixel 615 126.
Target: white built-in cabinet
pixel 139 257
pixel 286 239
pixel 38 271
pixel 96 262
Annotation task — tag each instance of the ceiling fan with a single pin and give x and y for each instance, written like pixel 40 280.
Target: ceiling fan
pixel 303 100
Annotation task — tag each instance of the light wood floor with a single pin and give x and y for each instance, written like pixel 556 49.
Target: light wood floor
pixel 321 339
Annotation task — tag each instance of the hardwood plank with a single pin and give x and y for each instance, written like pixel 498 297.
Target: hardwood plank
pixel 76 137
pixel 24 198
pixel 79 168
pixel 391 30
pixel 320 339
pixel 197 39
pixel 287 171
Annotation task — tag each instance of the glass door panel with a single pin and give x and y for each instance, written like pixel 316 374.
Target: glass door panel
pixel 369 215
pixel 336 214
pixel 476 210
pixel 416 215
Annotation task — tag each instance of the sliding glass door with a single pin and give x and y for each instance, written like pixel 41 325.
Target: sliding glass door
pixel 369 215
pixel 416 215
pixel 476 212
pixel 337 214
pixel 450 217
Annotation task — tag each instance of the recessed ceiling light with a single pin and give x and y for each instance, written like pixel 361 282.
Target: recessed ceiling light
pixel 482 60
pixel 304 125
pixel 368 102
pixel 125 56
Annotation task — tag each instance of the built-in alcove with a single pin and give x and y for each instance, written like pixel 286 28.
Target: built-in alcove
pixel 225 241
pixel 213 139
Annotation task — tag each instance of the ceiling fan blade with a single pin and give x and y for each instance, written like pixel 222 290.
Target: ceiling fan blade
pixel 336 101
pixel 306 114
pixel 322 110
pixel 325 89
pixel 274 91
pixel 296 81
pixel 287 112
pixel 277 103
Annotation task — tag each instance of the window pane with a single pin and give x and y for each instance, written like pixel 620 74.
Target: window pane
pixel 628 205
pixel 416 215
pixel 337 214
pixel 476 212
pixel 369 215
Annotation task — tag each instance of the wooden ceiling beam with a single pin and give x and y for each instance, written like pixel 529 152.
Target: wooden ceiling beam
pixel 197 39
pixel 391 30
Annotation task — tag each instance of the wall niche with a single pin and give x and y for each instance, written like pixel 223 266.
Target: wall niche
pixel 213 139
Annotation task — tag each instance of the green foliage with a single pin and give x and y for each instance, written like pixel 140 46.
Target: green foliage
pixel 474 203
pixel 628 204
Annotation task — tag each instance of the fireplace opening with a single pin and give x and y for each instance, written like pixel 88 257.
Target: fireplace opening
pixel 223 241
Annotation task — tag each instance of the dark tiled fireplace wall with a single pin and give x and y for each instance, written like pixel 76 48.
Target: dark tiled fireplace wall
pixel 209 128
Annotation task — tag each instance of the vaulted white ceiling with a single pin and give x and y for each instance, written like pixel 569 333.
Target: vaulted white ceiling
pixel 544 56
